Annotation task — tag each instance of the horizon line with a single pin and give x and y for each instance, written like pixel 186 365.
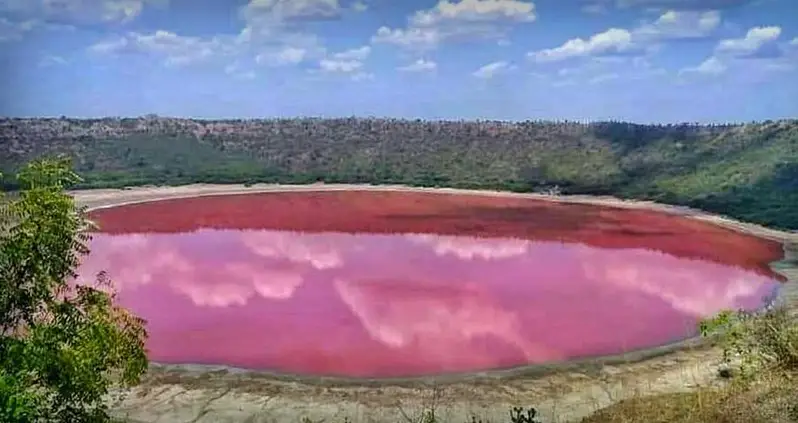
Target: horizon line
pixel 152 116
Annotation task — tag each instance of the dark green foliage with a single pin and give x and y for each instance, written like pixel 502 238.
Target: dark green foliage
pixel 519 415
pixel 744 171
pixel 62 345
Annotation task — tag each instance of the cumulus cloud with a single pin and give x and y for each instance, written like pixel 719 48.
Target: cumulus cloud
pixel 710 66
pixel 268 264
pixel 340 66
pixel 11 30
pixel 420 65
pixel 760 44
pixel 468 248
pixel 283 57
pixel 359 6
pixel 349 63
pixel 417 38
pixel 611 41
pixel 674 24
pixel 475 10
pixel 458 20
pixel 670 25
pixel 360 53
pixel 236 70
pixel 676 282
pixel 173 49
pixel 273 34
pixel 280 11
pixel 492 69
pixel 420 315
pixel 78 12
pixel 682 4
pixel 53 60
pixel 318 252
pixel 757 42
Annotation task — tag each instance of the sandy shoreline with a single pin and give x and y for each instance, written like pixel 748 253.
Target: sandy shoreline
pixel 561 392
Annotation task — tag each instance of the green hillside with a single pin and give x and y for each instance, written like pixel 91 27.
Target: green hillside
pixel 746 171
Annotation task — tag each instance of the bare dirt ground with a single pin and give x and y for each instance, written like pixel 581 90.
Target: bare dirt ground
pixel 561 393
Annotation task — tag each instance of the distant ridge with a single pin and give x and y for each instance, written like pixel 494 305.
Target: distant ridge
pixel 748 171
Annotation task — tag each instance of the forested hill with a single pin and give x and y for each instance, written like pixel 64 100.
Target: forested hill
pixel 746 171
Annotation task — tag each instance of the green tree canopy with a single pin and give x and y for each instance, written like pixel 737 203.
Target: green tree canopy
pixel 63 344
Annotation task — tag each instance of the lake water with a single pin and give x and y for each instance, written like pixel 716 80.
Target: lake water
pixel 387 284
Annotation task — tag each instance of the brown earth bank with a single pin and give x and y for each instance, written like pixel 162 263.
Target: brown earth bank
pixel 561 392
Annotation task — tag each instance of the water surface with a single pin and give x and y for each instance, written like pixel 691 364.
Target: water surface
pixel 400 284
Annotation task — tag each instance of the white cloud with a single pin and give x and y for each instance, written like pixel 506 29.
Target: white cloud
pixel 278 11
pixel 12 31
pixel 416 315
pixel 283 57
pixel 711 66
pixel 15 30
pixel 417 38
pixel 174 49
pixel 475 10
pixel 354 54
pixel 794 42
pixel 340 66
pixel 757 41
pixel 349 62
pixel 599 71
pixel 77 11
pixel 362 76
pixel 420 65
pixel 612 41
pixel 681 4
pixel 271 27
pixel 235 70
pixel 359 6
pixel 467 248
pixel 53 60
pixel 594 8
pixel 679 25
pixel 492 69
pixel 458 20
pixel 670 25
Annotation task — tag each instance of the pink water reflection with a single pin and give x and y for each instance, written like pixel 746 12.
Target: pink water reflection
pixel 405 304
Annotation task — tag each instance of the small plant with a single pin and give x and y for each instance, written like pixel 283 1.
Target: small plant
pixel 519 415
pixel 752 342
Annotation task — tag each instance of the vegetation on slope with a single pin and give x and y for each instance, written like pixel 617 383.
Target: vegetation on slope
pixel 745 171
pixel 62 346
pixel 760 351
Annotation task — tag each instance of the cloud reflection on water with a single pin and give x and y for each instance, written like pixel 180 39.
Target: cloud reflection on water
pixel 416 303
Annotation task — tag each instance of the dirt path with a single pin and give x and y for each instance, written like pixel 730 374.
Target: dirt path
pixel 561 393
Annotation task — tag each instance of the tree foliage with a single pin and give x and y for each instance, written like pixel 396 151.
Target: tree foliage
pixel 755 342
pixel 63 344
pixel 743 170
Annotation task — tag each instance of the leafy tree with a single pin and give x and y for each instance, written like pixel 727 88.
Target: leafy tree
pixel 63 345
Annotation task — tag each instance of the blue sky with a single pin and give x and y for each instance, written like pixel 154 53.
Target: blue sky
pixel 640 60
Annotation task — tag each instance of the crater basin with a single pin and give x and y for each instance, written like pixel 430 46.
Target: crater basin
pixel 396 284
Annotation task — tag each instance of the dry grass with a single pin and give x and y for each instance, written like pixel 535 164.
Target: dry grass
pixel 761 353
pixel 771 399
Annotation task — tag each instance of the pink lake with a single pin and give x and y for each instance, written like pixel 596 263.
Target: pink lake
pixel 392 304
